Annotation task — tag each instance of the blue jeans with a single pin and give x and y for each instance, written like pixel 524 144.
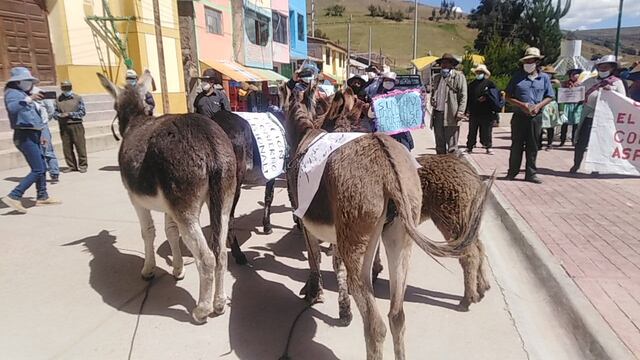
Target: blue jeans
pixel 28 142
pixel 49 154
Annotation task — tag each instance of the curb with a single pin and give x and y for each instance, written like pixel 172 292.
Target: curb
pixel 592 333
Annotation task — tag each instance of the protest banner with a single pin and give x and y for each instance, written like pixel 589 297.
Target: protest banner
pixel 272 145
pixel 399 111
pixel 571 95
pixel 614 146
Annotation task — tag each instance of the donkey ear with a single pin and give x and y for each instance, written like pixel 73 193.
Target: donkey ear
pixel 109 86
pixel 349 99
pixel 145 83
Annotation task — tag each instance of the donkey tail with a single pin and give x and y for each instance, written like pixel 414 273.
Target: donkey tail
pixel 405 213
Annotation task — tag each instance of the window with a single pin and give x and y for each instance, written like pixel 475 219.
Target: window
pixel 279 28
pixel 213 18
pixel 327 55
pixel 301 28
pixel 257 27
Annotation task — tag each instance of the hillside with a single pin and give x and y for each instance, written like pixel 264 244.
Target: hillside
pixel 394 39
pixel 602 41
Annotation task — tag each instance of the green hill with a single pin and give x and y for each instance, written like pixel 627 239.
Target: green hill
pixel 394 39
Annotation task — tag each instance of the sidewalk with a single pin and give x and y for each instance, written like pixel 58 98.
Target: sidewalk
pixel 590 225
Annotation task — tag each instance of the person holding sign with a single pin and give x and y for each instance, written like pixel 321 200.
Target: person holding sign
pixel 571 111
pixel 387 85
pixel 449 101
pixel 529 91
pixel 607 81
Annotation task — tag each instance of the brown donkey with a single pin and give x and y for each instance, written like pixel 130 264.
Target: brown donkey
pixel 453 196
pixel 174 164
pixel 350 210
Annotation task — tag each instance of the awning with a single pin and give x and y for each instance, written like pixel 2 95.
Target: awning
pixel 238 72
pixel 421 63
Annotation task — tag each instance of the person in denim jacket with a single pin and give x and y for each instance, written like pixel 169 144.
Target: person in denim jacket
pixel 27 125
pixel 46 108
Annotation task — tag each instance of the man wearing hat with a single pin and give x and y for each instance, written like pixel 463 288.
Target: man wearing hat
pixel 149 103
pixel 212 98
pixel 449 101
pixel 606 65
pixel 481 108
pixel 70 111
pixel 529 91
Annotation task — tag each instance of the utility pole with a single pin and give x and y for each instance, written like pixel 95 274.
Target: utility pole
pixel 369 46
pixel 348 48
pixel 618 30
pixel 313 18
pixel 161 65
pixel 415 35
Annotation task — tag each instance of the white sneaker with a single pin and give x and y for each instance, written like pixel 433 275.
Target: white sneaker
pixel 14 204
pixel 489 152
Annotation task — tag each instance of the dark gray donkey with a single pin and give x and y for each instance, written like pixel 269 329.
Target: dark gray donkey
pixel 174 164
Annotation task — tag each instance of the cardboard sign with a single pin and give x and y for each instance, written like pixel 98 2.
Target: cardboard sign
pixel 313 163
pixel 614 146
pixel 571 95
pixel 270 138
pixel 399 111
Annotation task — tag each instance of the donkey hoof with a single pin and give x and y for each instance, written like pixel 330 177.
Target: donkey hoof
pixel 219 307
pixel 147 275
pixel 178 274
pixel 345 317
pixel 464 305
pixel 201 313
pixel 313 293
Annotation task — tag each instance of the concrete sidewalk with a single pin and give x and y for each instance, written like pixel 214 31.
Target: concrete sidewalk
pixel 590 225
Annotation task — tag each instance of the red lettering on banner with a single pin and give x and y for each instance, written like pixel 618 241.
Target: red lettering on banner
pixel 619 118
pixel 626 153
pixel 631 136
pixel 616 153
pixel 636 154
pixel 618 139
pixel 623 118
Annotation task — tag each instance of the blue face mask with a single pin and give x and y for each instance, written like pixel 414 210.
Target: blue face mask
pixel 480 76
pixel 132 82
pixel 67 93
pixel 446 72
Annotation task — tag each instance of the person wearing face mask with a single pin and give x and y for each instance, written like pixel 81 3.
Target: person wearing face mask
pixel 550 113
pixel 212 98
pixel 481 109
pixel 303 77
pixel 572 112
pixel 70 111
pixel 149 103
pixel 27 125
pixel 449 101
pixel 46 108
pixel 593 86
pixel 529 91
pixel 387 84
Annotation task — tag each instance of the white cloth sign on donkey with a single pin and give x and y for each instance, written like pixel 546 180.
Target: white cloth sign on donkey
pixel 313 163
pixel 269 135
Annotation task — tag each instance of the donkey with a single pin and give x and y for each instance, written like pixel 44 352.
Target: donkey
pixel 453 196
pixel 174 164
pixel 350 210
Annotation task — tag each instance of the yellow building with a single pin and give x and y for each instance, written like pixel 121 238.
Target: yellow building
pixel 333 56
pixel 78 55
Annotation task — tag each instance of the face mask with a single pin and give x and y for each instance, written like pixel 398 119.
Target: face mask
pixel 132 82
pixel 480 76
pixel 388 85
pixel 371 75
pixel 603 74
pixel 446 72
pixel 25 85
pixel 67 93
pixel 529 68
pixel 206 86
pixel 307 80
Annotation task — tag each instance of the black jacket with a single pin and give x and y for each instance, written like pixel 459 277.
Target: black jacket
pixel 475 90
pixel 208 105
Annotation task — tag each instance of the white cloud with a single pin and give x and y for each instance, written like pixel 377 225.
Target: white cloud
pixel 584 13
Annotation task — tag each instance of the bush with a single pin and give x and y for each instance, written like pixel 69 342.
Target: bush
pixel 335 10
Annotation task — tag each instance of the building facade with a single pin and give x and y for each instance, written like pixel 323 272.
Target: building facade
pixel 297 34
pixel 280 31
pixel 333 56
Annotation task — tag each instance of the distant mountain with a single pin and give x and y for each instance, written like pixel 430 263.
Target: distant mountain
pixel 604 40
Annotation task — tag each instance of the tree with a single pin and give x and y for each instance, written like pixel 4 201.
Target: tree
pixel 335 10
pixel 433 14
pixel 496 18
pixel 541 27
pixel 502 56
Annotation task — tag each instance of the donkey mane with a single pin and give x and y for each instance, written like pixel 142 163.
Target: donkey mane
pixel 129 107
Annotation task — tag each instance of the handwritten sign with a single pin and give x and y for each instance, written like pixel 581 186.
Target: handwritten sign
pixel 399 111
pixel 614 146
pixel 270 138
pixel 571 95
pixel 327 89
pixel 313 163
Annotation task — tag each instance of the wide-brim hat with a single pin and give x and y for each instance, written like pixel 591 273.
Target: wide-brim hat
pixel 481 68
pixel 355 78
pixel 209 74
pixel 20 73
pixel 131 74
pixel 607 59
pixel 549 69
pixel 389 75
pixel 575 70
pixel 532 53
pixel 447 56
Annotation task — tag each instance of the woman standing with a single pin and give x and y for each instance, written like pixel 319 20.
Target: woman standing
pixel 27 136
pixel 550 113
pixel 572 112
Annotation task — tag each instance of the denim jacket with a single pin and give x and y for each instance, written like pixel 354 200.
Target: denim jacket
pixel 23 114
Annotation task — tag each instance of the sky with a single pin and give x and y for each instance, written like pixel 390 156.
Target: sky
pixel 584 14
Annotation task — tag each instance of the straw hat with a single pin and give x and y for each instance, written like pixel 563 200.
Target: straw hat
pixel 482 68
pixel 447 56
pixel 549 69
pixel 531 53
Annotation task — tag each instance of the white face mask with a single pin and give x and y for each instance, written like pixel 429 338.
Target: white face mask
pixel 603 74
pixel 206 86
pixel 445 72
pixel 25 85
pixel 388 85
pixel 529 68
pixel 480 76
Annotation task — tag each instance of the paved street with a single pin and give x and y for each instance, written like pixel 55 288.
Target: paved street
pixel 71 289
pixel 589 224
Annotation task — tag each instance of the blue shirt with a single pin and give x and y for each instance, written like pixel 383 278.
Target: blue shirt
pixel 529 91
pixel 22 111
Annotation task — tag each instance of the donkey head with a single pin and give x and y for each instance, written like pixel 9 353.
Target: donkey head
pixel 300 113
pixel 128 101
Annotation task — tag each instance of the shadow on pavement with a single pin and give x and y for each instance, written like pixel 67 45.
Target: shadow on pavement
pixel 550 172
pixel 262 313
pixel 116 277
pixel 110 168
